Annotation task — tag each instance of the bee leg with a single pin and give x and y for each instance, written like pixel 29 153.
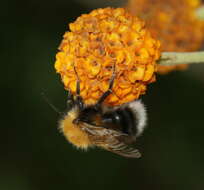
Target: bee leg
pixel 70 101
pixel 109 91
pixel 79 100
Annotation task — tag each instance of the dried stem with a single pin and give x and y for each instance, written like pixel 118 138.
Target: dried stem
pixel 173 58
pixel 200 12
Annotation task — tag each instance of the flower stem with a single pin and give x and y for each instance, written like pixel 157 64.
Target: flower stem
pixel 200 12
pixel 173 58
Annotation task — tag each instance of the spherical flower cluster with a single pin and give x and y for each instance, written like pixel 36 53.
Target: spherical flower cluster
pixel 174 23
pixel 101 43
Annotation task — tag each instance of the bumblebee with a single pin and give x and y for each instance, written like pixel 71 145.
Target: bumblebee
pixel 111 128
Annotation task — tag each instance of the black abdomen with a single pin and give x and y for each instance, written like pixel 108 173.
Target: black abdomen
pixel 121 119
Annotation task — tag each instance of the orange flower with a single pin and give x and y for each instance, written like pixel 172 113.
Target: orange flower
pixel 174 23
pixel 101 41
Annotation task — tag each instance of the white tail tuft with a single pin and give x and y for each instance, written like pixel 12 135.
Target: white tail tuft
pixel 139 109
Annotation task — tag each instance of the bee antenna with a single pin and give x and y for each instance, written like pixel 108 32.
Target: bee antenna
pixel 49 103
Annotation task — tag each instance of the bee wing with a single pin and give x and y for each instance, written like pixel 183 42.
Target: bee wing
pixel 100 131
pixel 109 140
pixel 121 148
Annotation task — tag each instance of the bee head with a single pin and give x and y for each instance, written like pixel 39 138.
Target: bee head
pixel 88 115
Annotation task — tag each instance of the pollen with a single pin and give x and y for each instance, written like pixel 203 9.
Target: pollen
pixel 101 41
pixel 174 23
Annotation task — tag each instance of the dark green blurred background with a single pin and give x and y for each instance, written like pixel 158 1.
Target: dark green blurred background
pixel 35 156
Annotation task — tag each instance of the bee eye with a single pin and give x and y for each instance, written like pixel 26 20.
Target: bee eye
pixel 76 121
pixel 88 115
